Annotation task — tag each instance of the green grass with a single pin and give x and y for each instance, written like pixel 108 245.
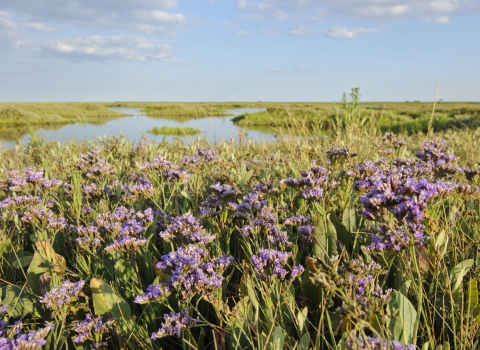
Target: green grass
pixel 245 312
pixel 177 131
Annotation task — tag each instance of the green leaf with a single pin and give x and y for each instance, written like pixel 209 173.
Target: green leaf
pixel 331 237
pixel 109 303
pixel 278 340
pixel 22 259
pixel 304 343
pixel 301 318
pixel 458 272
pixel 19 303
pixel 402 328
pixel 349 219
pixel 343 234
pixel 405 287
pixel 472 294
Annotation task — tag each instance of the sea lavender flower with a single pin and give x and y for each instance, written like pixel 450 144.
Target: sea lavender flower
pixel 215 202
pixel 125 244
pixel 307 233
pixel 190 274
pixel 269 264
pixel 140 187
pixel 92 165
pixel 62 295
pixel 92 190
pixel 32 340
pixel 155 292
pixel 90 326
pixel 375 343
pixel 297 220
pixel 186 229
pixel 251 202
pixel 336 154
pixel 166 170
pixel 296 270
pixel 201 155
pixel 174 323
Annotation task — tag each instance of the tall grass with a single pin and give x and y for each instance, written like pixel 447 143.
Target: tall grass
pixel 434 299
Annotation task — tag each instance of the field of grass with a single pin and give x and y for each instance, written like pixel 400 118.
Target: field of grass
pixel 353 239
pixel 388 116
pixel 178 131
pixel 16 118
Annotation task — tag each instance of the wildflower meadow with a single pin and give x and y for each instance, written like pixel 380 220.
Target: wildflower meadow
pixel 368 241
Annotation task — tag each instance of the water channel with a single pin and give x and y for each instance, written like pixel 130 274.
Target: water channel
pixel 136 125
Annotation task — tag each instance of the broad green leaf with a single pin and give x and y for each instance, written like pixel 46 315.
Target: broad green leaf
pixel 109 303
pixel 349 219
pixel 405 287
pixel 458 272
pixel 304 343
pixel 440 239
pixel 343 234
pixel 19 303
pixel 278 340
pixel 472 294
pixel 402 328
pixel 302 318
pixel 22 259
pixel 331 237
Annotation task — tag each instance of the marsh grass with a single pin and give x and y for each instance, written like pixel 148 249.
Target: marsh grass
pixel 178 131
pixel 434 302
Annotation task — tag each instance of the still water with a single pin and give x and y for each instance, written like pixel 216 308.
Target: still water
pixel 136 125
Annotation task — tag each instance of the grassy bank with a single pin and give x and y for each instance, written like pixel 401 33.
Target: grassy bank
pixel 16 118
pixel 165 130
pixel 285 245
pixel 409 116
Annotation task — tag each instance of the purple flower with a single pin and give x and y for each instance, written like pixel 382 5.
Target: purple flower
pixel 62 295
pixel 174 323
pixel 186 229
pixel 269 263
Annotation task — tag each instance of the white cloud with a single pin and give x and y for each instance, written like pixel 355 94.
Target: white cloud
pixel 100 14
pixel 243 32
pixel 267 31
pixel 230 24
pixel 381 10
pixel 40 27
pixel 10 32
pixel 259 10
pixel 99 47
pixel 348 33
pixel 301 30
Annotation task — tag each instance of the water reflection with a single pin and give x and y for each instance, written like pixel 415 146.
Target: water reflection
pixel 136 125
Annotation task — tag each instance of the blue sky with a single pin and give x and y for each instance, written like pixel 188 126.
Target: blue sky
pixel 238 50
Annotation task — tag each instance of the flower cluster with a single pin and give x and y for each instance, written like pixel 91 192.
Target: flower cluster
pixel 186 229
pixel 126 224
pixel 312 183
pixel 336 154
pixel 215 202
pixel 190 274
pixel 388 143
pixel 269 263
pixel 436 154
pixel 18 340
pixel 375 343
pixel 62 295
pixel 166 170
pixel 174 323
pixel 202 155
pixel 93 166
pixel 92 328
pixel 28 182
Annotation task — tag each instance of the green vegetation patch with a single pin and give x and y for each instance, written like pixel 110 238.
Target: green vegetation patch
pixel 179 131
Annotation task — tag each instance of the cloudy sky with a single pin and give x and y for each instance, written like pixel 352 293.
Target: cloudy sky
pixel 238 50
